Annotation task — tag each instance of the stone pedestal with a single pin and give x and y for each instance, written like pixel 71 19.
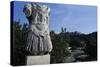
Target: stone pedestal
pixel 37 60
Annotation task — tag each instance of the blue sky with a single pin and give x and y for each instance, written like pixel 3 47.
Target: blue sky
pixel 79 18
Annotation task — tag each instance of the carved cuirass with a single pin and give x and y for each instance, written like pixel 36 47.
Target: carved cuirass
pixel 38 40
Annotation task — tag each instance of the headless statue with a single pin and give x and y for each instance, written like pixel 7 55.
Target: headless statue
pixel 38 40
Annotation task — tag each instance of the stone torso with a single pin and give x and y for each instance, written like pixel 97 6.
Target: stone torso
pixel 38 41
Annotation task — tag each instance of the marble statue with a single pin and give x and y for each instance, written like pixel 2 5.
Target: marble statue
pixel 38 40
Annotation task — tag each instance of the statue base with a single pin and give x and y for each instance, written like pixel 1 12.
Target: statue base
pixel 37 60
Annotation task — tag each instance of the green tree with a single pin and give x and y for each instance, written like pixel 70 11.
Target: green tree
pixel 19 41
pixel 60 47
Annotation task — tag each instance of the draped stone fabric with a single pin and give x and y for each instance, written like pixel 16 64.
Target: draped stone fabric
pixel 38 40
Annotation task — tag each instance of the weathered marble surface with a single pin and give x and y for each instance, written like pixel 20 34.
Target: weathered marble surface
pixel 38 40
pixel 37 60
